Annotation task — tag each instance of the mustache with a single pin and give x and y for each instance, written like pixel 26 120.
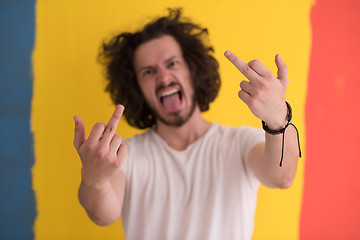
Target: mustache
pixel 162 86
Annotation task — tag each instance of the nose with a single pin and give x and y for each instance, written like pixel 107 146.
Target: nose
pixel 164 76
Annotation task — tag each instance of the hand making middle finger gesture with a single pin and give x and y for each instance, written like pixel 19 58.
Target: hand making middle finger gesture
pixel 263 93
pixel 103 153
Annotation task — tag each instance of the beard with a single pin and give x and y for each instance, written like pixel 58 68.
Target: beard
pixel 178 120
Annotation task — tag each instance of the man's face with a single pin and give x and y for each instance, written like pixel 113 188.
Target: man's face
pixel 164 79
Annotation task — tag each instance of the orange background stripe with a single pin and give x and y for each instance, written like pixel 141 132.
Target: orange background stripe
pixel 331 195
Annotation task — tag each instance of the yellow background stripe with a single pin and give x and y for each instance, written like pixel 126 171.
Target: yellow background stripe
pixel 68 82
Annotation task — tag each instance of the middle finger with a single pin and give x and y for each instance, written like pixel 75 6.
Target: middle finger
pixel 111 126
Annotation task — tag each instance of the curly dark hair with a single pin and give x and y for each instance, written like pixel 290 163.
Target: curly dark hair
pixel 117 57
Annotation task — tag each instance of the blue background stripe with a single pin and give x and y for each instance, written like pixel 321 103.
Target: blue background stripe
pixel 17 200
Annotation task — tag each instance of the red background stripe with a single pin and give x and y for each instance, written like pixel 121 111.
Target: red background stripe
pixel 331 208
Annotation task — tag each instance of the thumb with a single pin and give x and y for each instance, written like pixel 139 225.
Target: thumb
pixel 79 137
pixel 282 68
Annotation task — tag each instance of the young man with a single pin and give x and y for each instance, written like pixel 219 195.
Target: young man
pixel 185 178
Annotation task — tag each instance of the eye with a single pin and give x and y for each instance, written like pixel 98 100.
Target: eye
pixel 147 72
pixel 173 63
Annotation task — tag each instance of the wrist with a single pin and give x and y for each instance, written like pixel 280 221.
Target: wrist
pixel 275 127
pixel 95 185
pixel 282 131
pixel 278 127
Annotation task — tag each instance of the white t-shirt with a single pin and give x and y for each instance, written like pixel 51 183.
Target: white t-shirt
pixel 206 191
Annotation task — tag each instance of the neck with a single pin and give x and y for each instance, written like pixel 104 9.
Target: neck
pixel 179 138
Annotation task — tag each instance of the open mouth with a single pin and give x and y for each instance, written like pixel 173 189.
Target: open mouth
pixel 169 94
pixel 171 100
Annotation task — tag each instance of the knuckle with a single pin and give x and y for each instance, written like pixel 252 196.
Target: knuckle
pixel 101 152
pixel 251 102
pixel 117 163
pixel 109 128
pixel 99 125
pixel 286 81
pixel 254 62
pixel 256 94
pixel 123 149
pixel 262 85
pixel 109 157
pixel 246 68
pixel 117 137
pixel 88 147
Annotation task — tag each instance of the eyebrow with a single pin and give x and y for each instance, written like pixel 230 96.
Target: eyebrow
pixel 170 59
pixel 165 62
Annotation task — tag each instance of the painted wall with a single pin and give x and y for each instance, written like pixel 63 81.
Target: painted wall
pixel 331 196
pixel 317 39
pixel 68 82
pixel 17 200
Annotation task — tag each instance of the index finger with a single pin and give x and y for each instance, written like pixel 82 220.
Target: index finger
pixel 242 66
pixel 113 123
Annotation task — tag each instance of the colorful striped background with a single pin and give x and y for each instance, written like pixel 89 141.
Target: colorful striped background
pixel 49 73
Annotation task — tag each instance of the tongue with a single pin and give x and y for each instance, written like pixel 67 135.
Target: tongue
pixel 172 102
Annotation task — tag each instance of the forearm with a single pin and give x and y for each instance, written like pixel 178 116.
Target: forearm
pixel 265 96
pixel 101 203
pixel 276 176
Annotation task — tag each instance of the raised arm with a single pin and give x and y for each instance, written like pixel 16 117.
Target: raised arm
pixel 264 94
pixel 102 185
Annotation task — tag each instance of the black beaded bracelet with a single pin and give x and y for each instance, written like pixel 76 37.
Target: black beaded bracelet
pixel 282 131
